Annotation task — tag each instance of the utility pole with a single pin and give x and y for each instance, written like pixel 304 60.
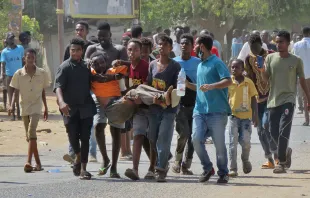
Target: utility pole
pixel 60 16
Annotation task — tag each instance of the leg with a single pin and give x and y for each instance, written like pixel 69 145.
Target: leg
pixel 152 135
pixel 274 123
pixel 245 142
pixel 306 113
pixel 123 143
pixel 116 145
pixel 189 151
pixel 93 145
pixel 26 120
pixel 10 94
pixel 17 108
pixel 233 128
pixel 100 137
pixel 217 123
pixel 34 120
pixel 300 98
pixel 5 95
pixel 85 131
pixel 199 137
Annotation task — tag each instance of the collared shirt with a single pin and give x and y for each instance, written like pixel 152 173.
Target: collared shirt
pixel 246 50
pixel 302 49
pixel 211 71
pixel 74 79
pixel 240 97
pixel 30 89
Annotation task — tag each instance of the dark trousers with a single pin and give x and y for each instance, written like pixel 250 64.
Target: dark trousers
pixel 280 123
pixel 79 130
pixel 184 122
pixel 264 135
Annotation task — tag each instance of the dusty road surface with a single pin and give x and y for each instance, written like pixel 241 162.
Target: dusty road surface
pixel 259 183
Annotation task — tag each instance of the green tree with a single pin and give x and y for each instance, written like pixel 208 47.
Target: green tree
pixel 5 6
pixel 32 25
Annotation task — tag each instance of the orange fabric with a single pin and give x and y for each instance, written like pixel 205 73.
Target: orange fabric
pixel 109 89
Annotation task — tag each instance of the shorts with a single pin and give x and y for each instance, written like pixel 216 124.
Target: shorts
pixel 140 122
pixel 31 124
pixel 101 116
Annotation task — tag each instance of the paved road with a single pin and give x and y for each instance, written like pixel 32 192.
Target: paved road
pixel 260 183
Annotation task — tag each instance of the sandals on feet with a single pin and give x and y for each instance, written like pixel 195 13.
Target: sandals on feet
pixel 132 174
pixel 115 175
pixel 104 170
pixel 85 175
pixel 150 175
pixel 28 168
pixel 37 168
pixel 268 165
pixel 76 169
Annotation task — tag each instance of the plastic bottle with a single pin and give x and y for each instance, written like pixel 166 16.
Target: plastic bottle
pixel 181 83
pixel 54 171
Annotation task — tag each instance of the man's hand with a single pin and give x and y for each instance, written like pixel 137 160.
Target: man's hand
pixel 255 121
pixel 45 114
pixel 64 108
pixel 206 87
pixel 10 109
pixel 116 63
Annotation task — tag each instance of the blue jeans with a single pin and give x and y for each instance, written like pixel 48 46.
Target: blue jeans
pixel 239 130
pixel 213 125
pixel 161 125
pixel 92 145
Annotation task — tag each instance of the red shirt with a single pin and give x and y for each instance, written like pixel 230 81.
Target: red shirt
pixel 139 74
pixel 213 51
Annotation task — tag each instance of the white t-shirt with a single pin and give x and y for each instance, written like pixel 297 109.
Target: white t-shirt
pixel 302 49
pixel 176 49
pixel 246 50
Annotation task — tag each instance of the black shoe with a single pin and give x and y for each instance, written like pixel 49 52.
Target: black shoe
pixel 160 176
pixel 223 179
pixel 205 176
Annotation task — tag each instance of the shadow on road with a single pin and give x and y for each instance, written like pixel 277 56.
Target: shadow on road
pixel 6 182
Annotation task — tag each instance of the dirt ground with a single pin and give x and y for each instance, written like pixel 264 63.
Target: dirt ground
pixel 12 133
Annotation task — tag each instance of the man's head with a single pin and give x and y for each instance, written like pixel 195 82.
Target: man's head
pixel 82 29
pixel 25 38
pixel 159 29
pixel 76 48
pixel 134 49
pixel 236 33
pixel 265 36
pixel 187 43
pixel 125 40
pixel 283 40
pixel 203 45
pixel 10 38
pixel 136 31
pixel 178 31
pixel 146 49
pixel 194 33
pixel 274 34
pixel 164 45
pixel 186 29
pixel 204 31
pixel 306 31
pixel 237 67
pixel 30 56
pixel 98 61
pixel 244 32
pixel 294 37
pixel 167 31
pixel 255 43
pixel 255 32
pixel 299 37
pixel 104 34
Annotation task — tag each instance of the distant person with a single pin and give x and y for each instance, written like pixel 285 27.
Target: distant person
pixel 136 31
pixel 299 37
pixel 178 31
pixel 125 40
pixel 11 61
pixel 25 39
pixel 146 50
pixel 243 35
pixel 81 30
pixel 168 32
pixel 218 45
pixel 186 29
pixel 194 34
pixel 155 36
pixel 302 49
pixel 266 39
pixel 236 44
pixel 26 79
pixel 273 36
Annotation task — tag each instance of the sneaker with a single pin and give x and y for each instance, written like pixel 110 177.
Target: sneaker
pixel 176 169
pixel 149 175
pixel 279 169
pixel 160 176
pixel 186 171
pixel 223 179
pixel 268 165
pixel 288 158
pixel 205 176
pixel 92 159
pixel 247 167
pixel 233 173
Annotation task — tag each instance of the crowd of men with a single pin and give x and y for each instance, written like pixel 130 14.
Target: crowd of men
pixel 132 87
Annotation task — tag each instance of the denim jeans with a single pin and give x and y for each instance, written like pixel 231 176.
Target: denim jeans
pixel 213 125
pixel 264 135
pixel 92 145
pixel 161 125
pixel 239 130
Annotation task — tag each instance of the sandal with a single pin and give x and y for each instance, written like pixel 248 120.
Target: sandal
pixel 28 168
pixel 76 169
pixel 85 175
pixel 37 168
pixel 115 175
pixel 104 170
pixel 150 175
pixel 268 165
pixel 132 174
pixel 68 158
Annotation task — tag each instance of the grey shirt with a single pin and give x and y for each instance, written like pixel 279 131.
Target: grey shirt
pixel 74 79
pixel 163 80
pixel 114 52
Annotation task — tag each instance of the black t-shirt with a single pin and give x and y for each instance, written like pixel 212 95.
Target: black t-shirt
pixel 190 96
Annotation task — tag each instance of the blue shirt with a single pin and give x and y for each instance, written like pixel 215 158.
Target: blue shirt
pixel 236 46
pixel 190 66
pixel 212 71
pixel 13 59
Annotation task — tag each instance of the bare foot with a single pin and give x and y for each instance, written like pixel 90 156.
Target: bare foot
pixel 168 95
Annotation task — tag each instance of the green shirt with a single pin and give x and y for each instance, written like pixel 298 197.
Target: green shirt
pixel 283 74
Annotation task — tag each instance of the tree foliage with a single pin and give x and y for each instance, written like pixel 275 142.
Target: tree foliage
pixel 5 6
pixel 32 25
